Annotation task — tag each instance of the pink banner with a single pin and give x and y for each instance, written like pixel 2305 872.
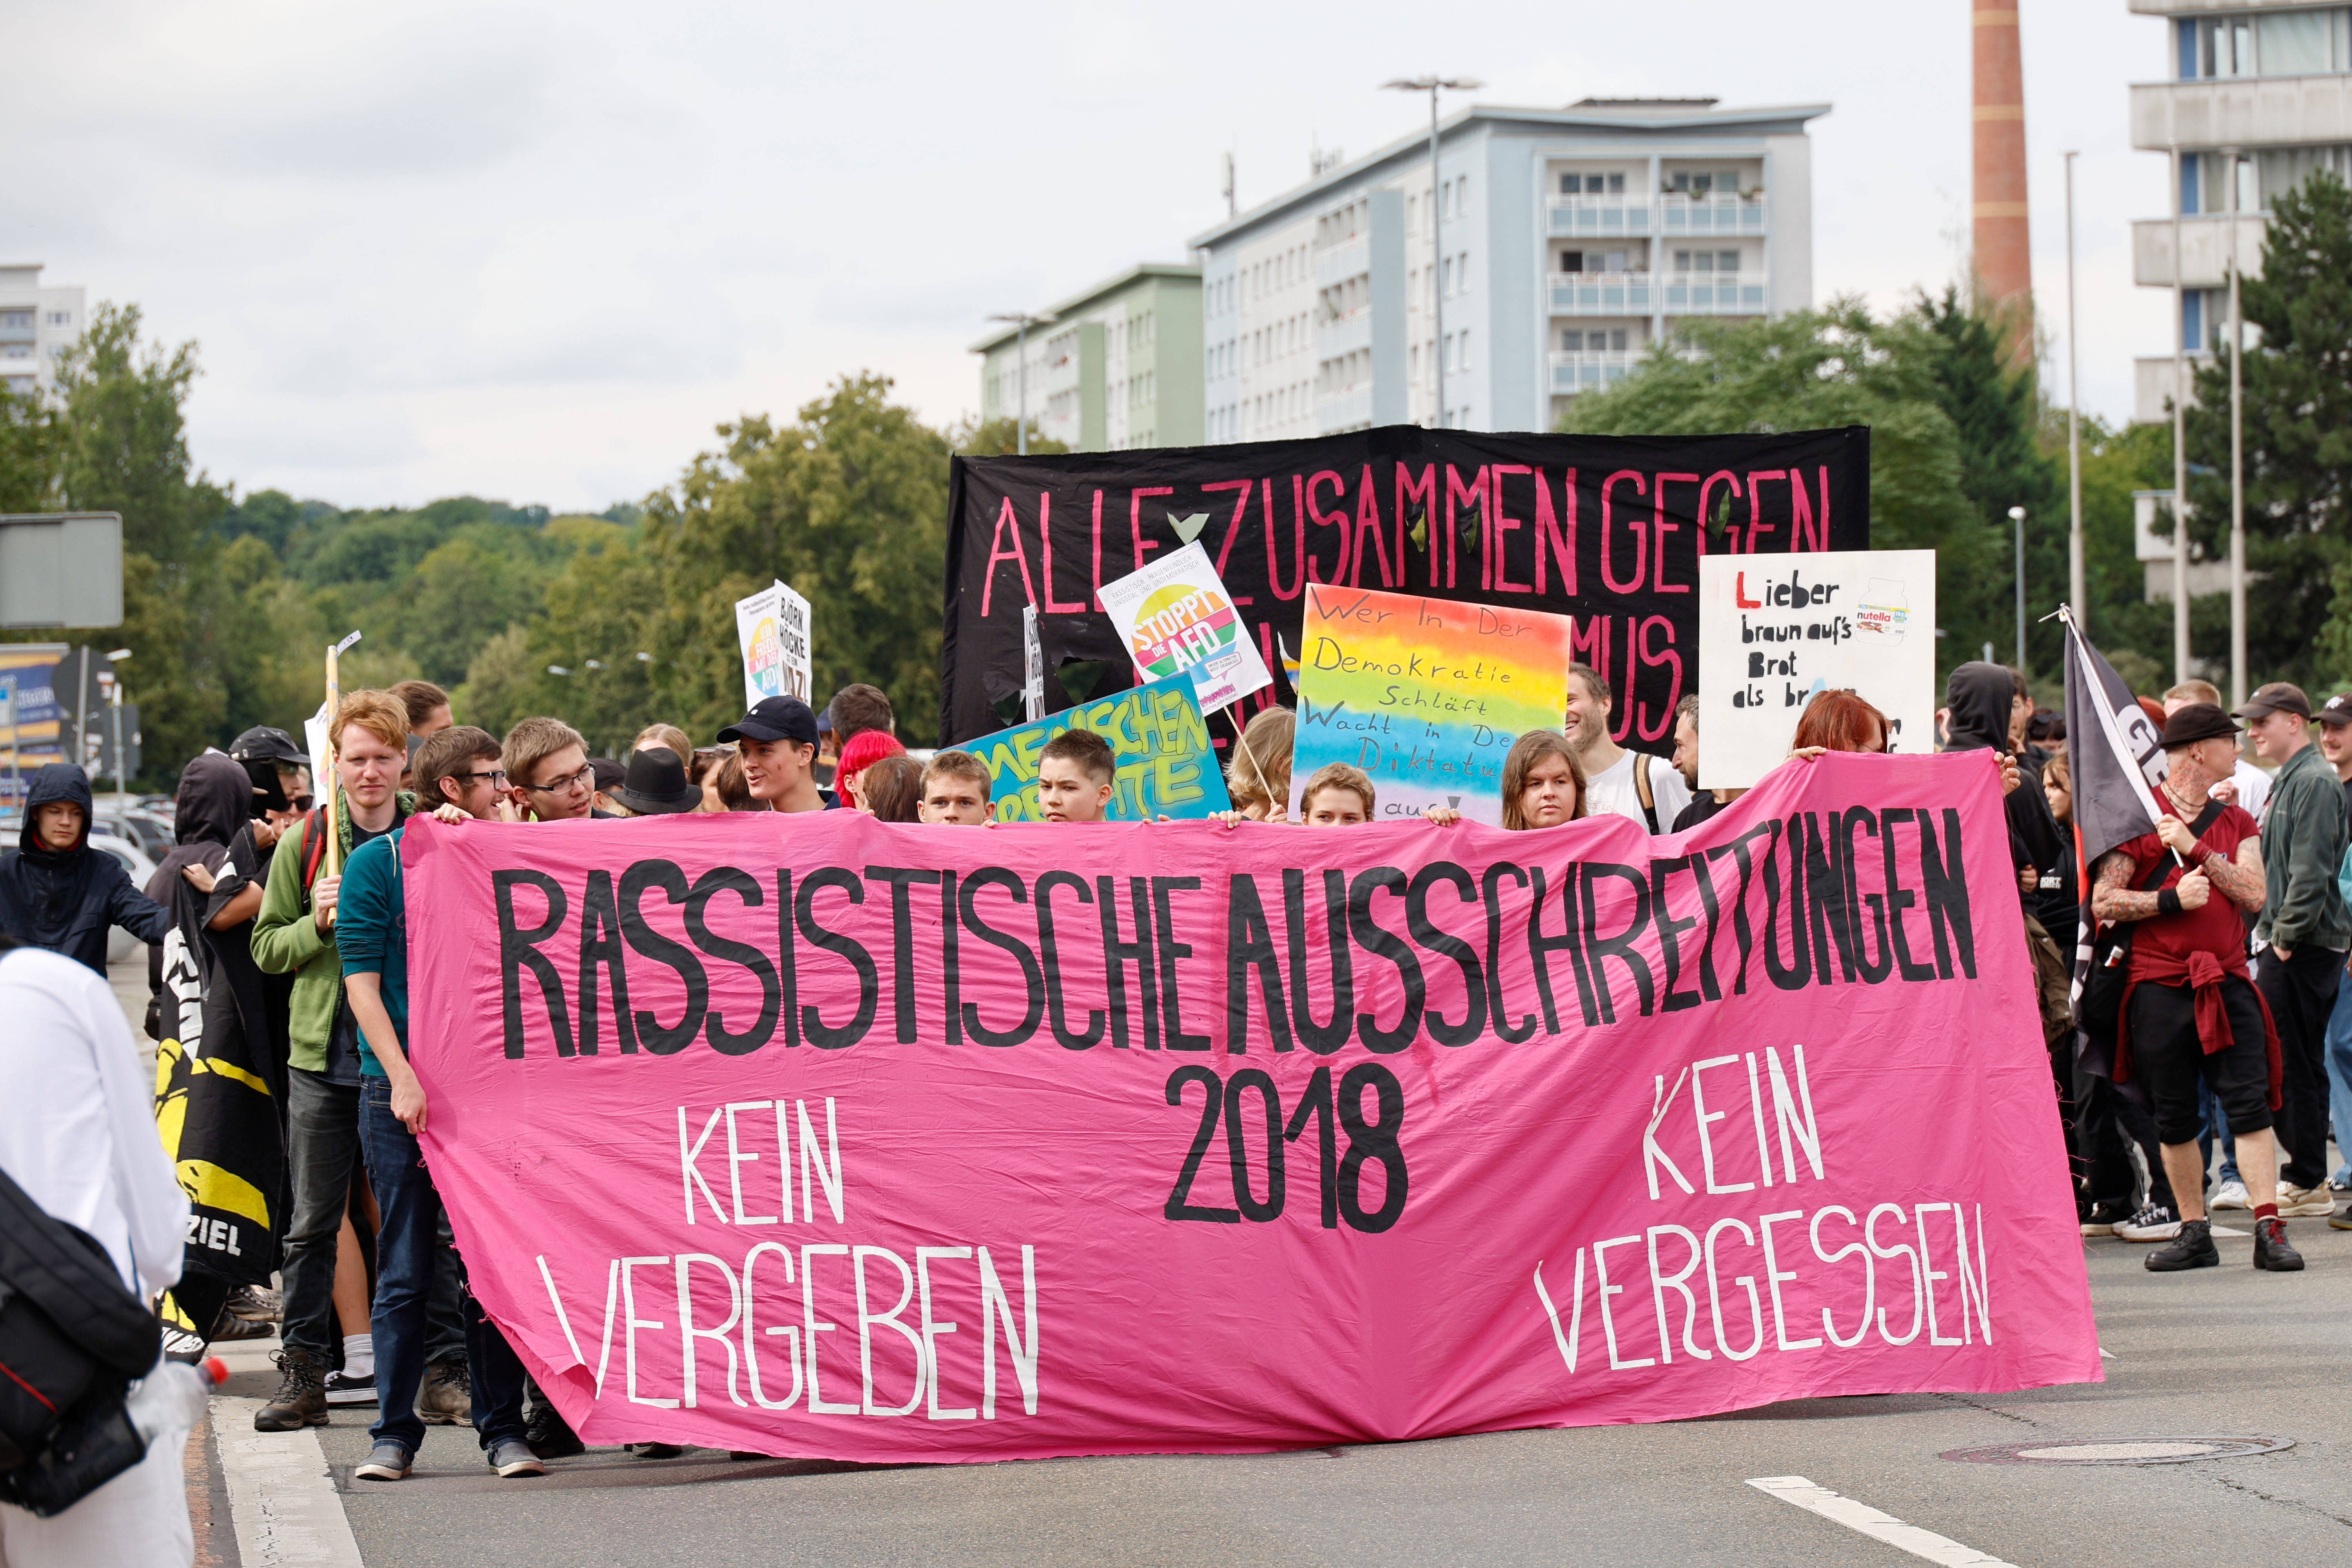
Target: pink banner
pixel 837 1138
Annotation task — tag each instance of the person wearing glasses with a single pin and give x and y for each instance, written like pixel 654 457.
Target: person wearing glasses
pixel 549 776
pixel 457 772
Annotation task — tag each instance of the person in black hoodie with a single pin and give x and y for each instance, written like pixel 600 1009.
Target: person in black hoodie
pixel 1978 697
pixel 216 1106
pixel 57 892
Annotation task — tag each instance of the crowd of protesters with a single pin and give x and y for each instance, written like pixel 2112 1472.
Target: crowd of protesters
pixel 2220 949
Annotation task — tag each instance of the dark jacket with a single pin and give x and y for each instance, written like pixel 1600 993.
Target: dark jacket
pixel 65 899
pixel 2302 844
pixel 1977 701
pixel 216 799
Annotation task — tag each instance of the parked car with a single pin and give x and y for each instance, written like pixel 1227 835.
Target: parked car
pixel 151 830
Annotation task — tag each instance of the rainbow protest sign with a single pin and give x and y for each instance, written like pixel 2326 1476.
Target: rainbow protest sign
pixel 1166 764
pixel 1174 614
pixel 1426 695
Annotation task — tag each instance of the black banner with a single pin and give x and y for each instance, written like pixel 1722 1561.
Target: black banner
pixel 1603 528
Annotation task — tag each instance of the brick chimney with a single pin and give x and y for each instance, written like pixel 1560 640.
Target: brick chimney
pixel 2004 257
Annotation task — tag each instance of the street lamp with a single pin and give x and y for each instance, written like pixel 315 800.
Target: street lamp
pixel 2017 516
pixel 1023 320
pixel 1434 85
pixel 114 696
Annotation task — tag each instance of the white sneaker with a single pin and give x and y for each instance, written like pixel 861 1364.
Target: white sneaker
pixel 2153 1223
pixel 2304 1203
pixel 2230 1195
pixel 345 1389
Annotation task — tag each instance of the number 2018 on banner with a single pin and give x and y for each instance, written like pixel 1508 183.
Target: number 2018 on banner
pixel 1341 1175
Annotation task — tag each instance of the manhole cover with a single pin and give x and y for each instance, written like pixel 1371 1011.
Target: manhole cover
pixel 2118 1450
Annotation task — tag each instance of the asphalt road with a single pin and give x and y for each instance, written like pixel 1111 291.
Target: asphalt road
pixel 2227 1351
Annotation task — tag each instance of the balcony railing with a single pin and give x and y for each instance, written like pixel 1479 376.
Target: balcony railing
pixel 1645 293
pixel 1673 213
pixel 1712 294
pixel 1710 215
pixel 1585 372
pixel 1602 293
pixel 1602 216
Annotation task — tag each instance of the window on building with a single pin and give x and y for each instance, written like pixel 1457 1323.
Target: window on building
pixel 1571 261
pixel 16 351
pixel 1616 340
pixel 1445 277
pixel 61 318
pixel 1462 353
pixel 1461 273
pixel 1571 342
pixel 16 318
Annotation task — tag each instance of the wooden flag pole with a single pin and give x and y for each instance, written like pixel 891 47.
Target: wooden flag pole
pixel 331 789
pixel 1241 744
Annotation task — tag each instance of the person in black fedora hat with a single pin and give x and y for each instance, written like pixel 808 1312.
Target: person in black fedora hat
pixel 656 785
pixel 2190 1015
pixel 777 743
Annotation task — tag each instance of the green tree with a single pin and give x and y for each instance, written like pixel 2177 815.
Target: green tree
pixel 2296 404
pixel 32 441
pixel 1818 369
pixel 848 504
pixel 124 449
pixel 1000 437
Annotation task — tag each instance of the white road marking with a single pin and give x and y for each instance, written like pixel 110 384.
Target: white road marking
pixel 280 1494
pixel 1868 1520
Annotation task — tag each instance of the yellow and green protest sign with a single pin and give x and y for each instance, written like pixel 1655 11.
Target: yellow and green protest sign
pixel 1166 766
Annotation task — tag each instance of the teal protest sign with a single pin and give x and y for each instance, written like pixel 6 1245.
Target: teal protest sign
pixel 1166 766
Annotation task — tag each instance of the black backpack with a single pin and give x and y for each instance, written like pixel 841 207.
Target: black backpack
pixel 71 1336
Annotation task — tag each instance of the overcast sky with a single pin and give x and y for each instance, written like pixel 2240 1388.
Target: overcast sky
pixel 536 254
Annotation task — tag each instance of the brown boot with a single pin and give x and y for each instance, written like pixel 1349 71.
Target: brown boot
pixel 446 1399
pixel 302 1397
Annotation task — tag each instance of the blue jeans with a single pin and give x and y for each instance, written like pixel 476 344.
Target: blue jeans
pixel 2215 1122
pixel 411 1210
pixel 2339 1075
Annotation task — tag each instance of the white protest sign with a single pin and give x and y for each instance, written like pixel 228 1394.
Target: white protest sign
pixel 1774 630
pixel 1032 666
pixel 772 628
pixel 1174 613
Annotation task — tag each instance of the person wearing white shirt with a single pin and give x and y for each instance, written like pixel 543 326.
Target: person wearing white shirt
pixel 1616 781
pixel 77 1134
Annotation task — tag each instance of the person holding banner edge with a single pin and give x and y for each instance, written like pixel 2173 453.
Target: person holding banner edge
pixel 2190 1012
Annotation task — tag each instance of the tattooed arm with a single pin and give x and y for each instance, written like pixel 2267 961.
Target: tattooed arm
pixel 2113 898
pixel 2240 880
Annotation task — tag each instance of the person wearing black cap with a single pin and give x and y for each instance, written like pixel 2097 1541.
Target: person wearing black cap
pixel 2305 927
pixel 2188 1012
pixel 655 786
pixel 606 777
pixel 777 743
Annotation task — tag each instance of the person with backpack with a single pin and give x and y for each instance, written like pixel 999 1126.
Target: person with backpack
pixel 1617 783
pixel 295 934
pixel 78 1139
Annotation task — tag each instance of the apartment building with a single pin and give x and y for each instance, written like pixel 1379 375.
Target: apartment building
pixel 1117 366
pixel 2254 97
pixel 1566 243
pixel 37 326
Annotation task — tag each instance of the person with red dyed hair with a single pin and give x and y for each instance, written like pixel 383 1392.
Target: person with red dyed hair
pixel 865 749
pixel 1841 722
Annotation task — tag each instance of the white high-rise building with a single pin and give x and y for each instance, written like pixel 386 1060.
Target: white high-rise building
pixel 1567 242
pixel 37 326
pixel 2256 97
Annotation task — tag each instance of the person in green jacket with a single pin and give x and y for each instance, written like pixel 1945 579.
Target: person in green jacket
pixel 295 934
pixel 2307 927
